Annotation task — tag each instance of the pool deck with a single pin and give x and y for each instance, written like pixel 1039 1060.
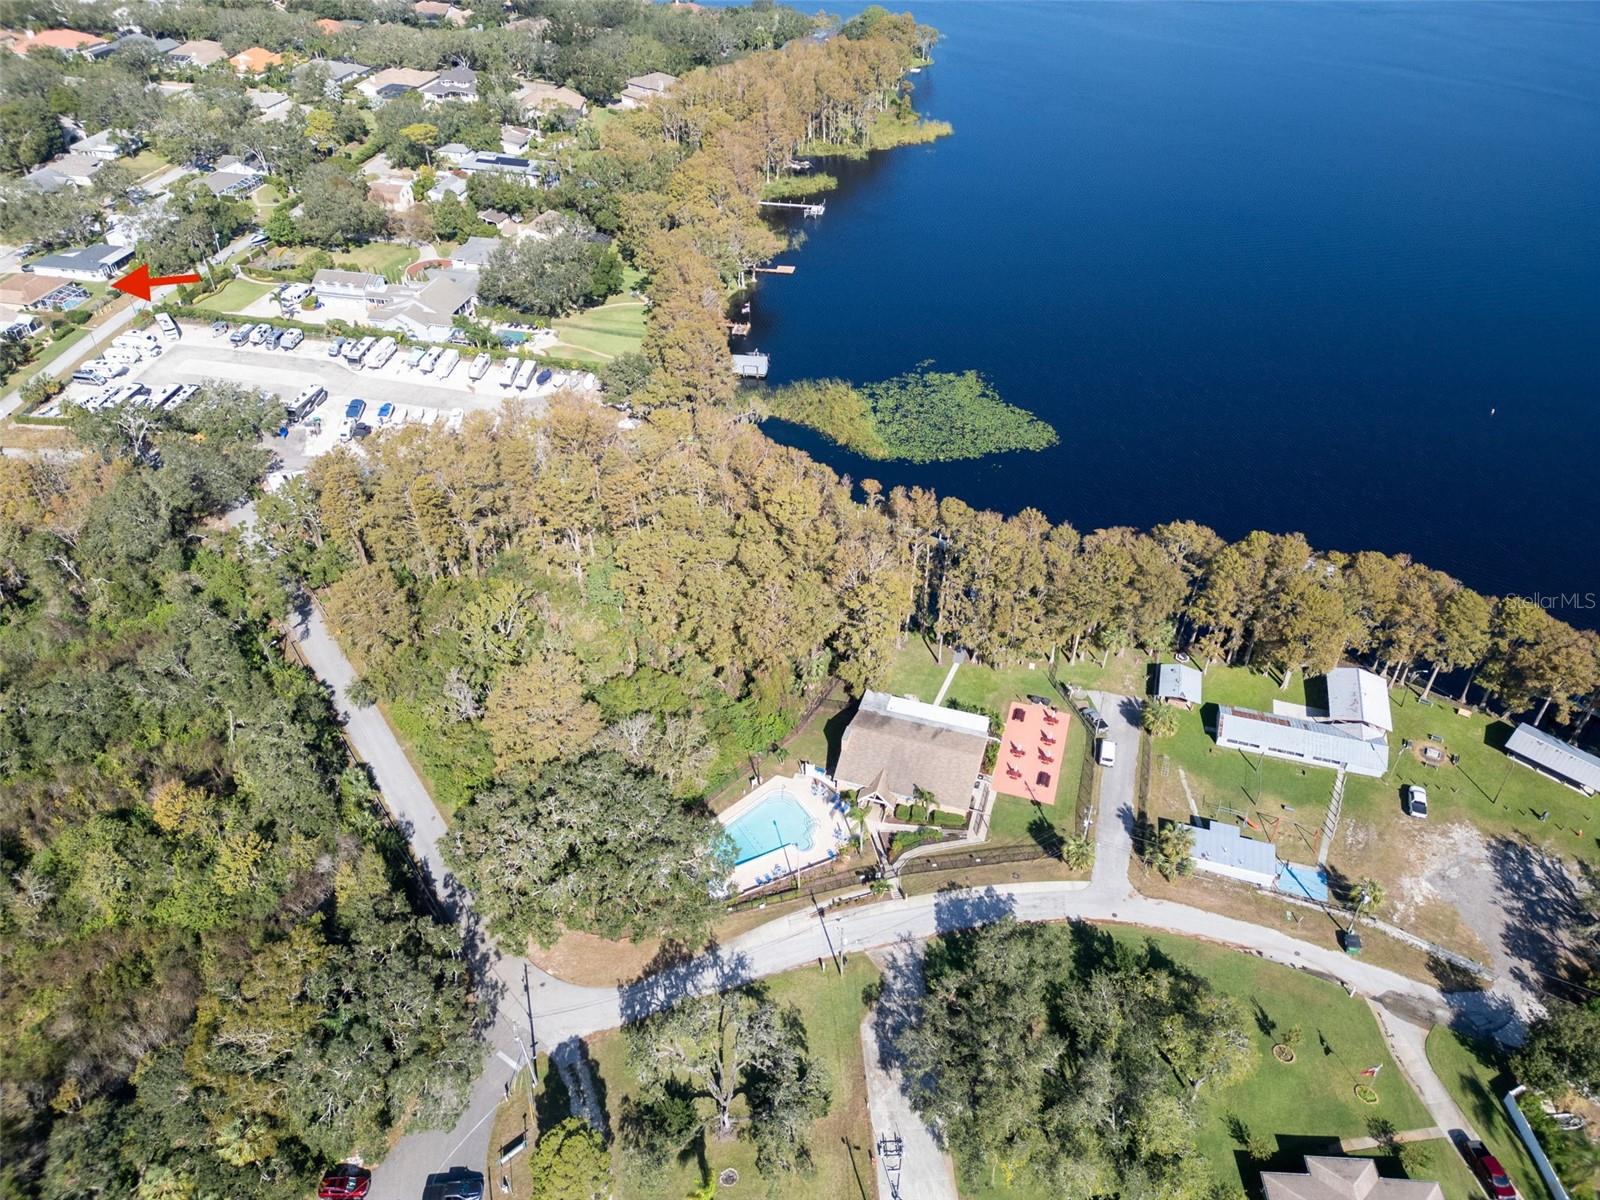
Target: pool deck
pixel 828 835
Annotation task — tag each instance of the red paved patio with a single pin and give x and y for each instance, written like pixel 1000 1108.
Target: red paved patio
pixel 1029 765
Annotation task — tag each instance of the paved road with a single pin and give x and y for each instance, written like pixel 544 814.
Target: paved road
pixel 561 1011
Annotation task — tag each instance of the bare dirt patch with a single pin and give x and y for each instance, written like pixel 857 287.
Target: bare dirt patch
pixel 591 961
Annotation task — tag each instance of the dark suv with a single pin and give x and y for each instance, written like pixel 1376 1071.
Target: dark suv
pixel 458 1183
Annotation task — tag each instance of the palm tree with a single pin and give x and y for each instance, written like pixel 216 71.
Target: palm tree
pixel 1077 853
pixel 1369 896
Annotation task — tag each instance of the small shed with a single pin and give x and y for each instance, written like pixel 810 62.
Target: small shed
pixel 1180 684
pixel 1220 848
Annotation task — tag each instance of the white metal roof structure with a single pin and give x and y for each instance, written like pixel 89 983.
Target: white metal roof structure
pixel 1315 743
pixel 1360 700
pixel 1551 756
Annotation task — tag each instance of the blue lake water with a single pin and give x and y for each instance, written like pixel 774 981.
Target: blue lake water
pixel 1329 268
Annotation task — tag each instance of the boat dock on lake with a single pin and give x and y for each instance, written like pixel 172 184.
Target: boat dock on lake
pixel 750 366
pixel 807 209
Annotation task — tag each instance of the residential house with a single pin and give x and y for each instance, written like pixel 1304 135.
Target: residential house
pixel 269 106
pixel 15 324
pixel 642 89
pixel 27 290
pixel 67 41
pixel 474 253
pixel 386 85
pixel 458 83
pixel 538 26
pixel 339 74
pixel 473 161
pixel 95 263
pixel 130 41
pixel 347 285
pixel 108 144
pixel 1328 1178
pixel 70 170
pixel 200 53
pixel 426 311
pixel 539 98
pixel 255 60
pixel 232 177
pixel 1179 684
pixel 1552 757
pixel 432 12
pixel 896 749
pixel 447 184
pixel 514 139
pixel 331 27
pixel 393 194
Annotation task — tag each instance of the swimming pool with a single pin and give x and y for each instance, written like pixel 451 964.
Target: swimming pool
pixel 777 819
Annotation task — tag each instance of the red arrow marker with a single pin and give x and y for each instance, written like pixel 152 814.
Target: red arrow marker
pixel 137 282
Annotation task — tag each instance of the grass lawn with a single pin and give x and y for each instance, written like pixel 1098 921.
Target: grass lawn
pixel 915 672
pixel 266 198
pixel 46 356
pixel 388 259
pixel 615 327
pixel 1301 1107
pixel 832 1008
pixel 236 295
pixel 145 164
pixel 1474 1074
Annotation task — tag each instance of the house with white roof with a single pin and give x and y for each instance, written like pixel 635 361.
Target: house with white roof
pixel 1554 758
pixel 1180 684
pixel 1300 739
pixel 108 145
pixel 1358 701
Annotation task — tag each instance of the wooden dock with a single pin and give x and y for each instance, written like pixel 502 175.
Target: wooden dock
pixel 807 209
pixel 780 269
pixel 738 328
pixel 750 366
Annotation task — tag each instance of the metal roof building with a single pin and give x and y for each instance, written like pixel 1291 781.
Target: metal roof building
pixel 1299 740
pixel 1359 700
pixel 1220 848
pixel 1549 755
pixel 1177 683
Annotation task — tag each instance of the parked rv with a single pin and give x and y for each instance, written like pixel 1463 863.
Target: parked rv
pixel 480 367
pixel 381 353
pixel 447 362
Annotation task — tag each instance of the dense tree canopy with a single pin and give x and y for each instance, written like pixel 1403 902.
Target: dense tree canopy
pixel 213 981
pixel 1085 1088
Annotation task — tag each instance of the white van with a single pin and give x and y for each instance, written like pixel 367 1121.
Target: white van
pixel 1105 752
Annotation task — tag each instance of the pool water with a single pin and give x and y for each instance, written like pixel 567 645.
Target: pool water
pixel 776 820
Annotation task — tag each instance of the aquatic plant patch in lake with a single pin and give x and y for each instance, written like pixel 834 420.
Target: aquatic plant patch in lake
pixel 921 416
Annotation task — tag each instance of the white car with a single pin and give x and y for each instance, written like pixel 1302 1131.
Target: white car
pixel 1415 801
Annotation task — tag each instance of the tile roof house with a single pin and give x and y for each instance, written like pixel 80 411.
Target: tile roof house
pixel 1344 1179
pixel 67 41
pixel 403 78
pixel 255 60
pixel 514 138
pixel 329 26
pixel 95 263
pixel 199 53
pixel 26 290
pixel 539 96
pixel 894 747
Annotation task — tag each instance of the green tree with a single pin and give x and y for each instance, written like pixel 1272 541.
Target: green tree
pixel 583 847
pixel 1171 851
pixel 1159 719
pixel 571 1162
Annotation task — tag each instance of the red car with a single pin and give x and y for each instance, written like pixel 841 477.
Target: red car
pixel 1492 1175
pixel 347 1181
